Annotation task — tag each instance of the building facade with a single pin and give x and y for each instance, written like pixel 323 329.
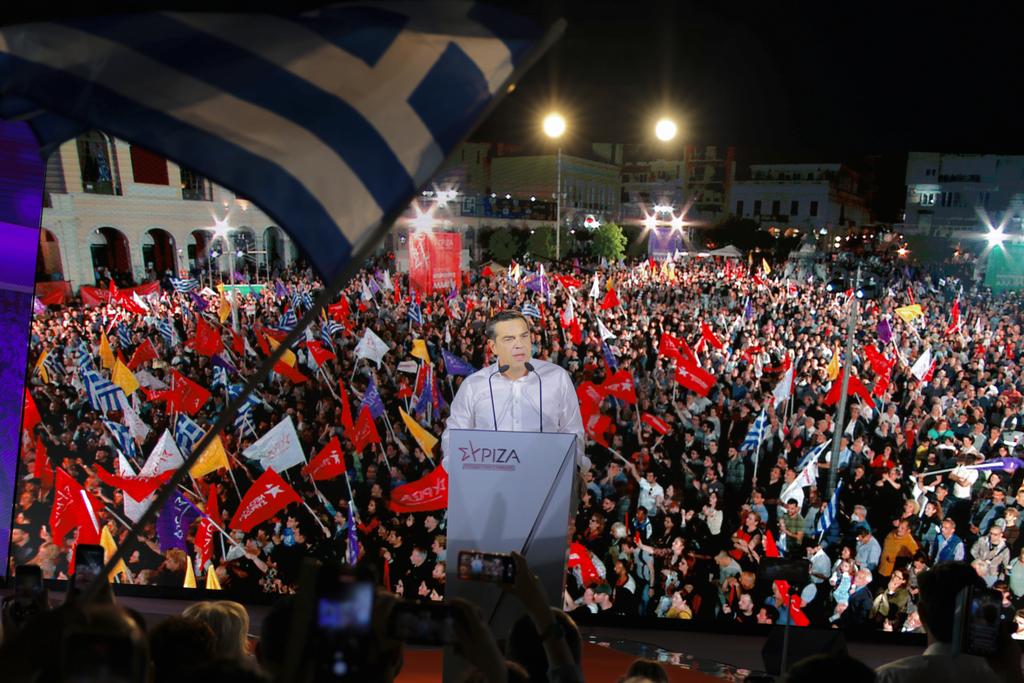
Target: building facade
pixel 112 205
pixel 948 194
pixel 800 196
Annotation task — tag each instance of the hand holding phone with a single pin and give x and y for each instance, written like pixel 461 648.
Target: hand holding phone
pixel 88 565
pixel 476 565
pixel 430 624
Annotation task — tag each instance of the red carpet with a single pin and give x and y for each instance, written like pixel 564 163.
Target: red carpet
pixel 600 665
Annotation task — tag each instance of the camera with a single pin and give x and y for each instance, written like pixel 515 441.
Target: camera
pixel 476 565
pixel 343 619
pixel 88 565
pixel 980 622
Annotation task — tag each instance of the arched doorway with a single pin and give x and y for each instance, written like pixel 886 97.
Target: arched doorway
pixel 273 245
pixel 243 243
pixel 110 257
pixel 197 251
pixel 48 265
pixel 158 253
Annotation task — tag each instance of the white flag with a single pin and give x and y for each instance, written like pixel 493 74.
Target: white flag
pixel 133 509
pixel 371 346
pixel 366 294
pixel 138 299
pixel 410 366
pixel 784 388
pixel 165 456
pixel 605 332
pixel 595 290
pixel 139 429
pixel 808 477
pixel 279 448
pixel 570 312
pixel 147 380
pixel 387 282
pixel 922 365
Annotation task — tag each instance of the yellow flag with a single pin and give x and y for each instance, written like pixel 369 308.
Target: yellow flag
pixel 41 369
pixel 224 312
pixel 213 458
pixel 764 265
pixel 419 350
pixel 123 377
pixel 109 548
pixel 106 353
pixel 212 582
pixel 833 367
pixel 909 313
pixel 190 576
pixel 425 439
pixel 288 358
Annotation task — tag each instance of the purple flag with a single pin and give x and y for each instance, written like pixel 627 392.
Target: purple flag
pixel 220 361
pixel 353 540
pixel 609 357
pixel 884 331
pixel 455 365
pixel 1005 464
pixel 199 301
pixel 374 287
pixel 425 398
pixel 439 401
pixel 173 522
pixel 280 289
pixel 536 283
pixel 38 307
pixel 748 310
pixel 372 400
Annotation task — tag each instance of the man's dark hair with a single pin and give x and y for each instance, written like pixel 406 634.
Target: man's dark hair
pixel 501 317
pixel 525 647
pixel 649 669
pixel 940 587
pixel 838 668
pixel 178 646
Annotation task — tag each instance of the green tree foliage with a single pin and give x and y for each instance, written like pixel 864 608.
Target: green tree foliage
pixel 542 243
pixel 609 242
pixel 504 245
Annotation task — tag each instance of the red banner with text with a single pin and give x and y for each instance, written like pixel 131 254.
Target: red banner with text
pixel 435 260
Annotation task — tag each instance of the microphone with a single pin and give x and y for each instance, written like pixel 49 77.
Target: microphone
pixel 494 413
pixel 540 387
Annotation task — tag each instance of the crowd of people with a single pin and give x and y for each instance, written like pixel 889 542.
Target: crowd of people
pixel 677 512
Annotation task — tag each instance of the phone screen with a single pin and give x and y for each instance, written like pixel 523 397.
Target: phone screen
pixel 475 565
pixel 88 564
pixel 28 584
pixel 428 624
pixel 347 609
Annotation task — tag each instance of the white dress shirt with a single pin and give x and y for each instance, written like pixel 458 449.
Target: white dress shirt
pixel 517 405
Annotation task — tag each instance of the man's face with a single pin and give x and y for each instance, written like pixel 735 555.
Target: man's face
pixel 792 509
pixel 512 343
pixel 746 604
pixel 608 504
pixel 995 536
pixel 947 528
pixel 762 617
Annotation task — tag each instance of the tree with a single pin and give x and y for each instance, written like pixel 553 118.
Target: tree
pixel 503 245
pixel 638 238
pixel 609 242
pixel 541 244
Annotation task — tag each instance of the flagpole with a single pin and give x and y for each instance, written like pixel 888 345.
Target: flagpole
pixel 851 326
pixel 386 461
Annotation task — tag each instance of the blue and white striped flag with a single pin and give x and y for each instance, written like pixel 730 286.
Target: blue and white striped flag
pixel 244 420
pixel 103 394
pixel 531 311
pixel 220 376
pixel 166 329
pixel 327 331
pixel 83 357
pixel 123 438
pixel 756 434
pixel 414 314
pixel 330 120
pixel 53 364
pixel 187 434
pixel 828 517
pixel 183 285
pixel 813 455
pixel 288 321
pixel 124 336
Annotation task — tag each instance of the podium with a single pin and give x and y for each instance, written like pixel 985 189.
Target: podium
pixel 508 491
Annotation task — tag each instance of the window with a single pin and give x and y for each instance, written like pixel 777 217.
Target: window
pixel 195 186
pixel 94 160
pixel 794 208
pixel 757 207
pixel 148 167
pixel 739 208
pixel 776 207
pixel 814 209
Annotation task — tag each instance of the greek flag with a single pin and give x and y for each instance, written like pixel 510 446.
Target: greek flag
pixel 302 300
pixel 826 519
pixel 220 376
pixel 166 329
pixel 103 394
pixel 756 434
pixel 124 336
pixel 288 321
pixel 415 315
pixel 187 434
pixel 52 363
pixel 327 331
pixel 813 455
pixel 244 419
pixel 123 438
pixel 331 120
pixel 531 310
pixel 183 285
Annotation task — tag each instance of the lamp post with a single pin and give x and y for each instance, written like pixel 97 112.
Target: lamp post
pixel 554 127
pixel 222 229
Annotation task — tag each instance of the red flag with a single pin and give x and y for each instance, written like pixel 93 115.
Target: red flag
pixel 611 300
pixel 237 342
pixel 291 373
pixel 43 470
pixel 709 336
pixel 879 363
pixel 568 281
pixel 487 272
pixel 261 340
pixel 69 510
pixel 954 323
pixel 855 388
pixel 695 378
pixel 365 432
pixel 206 531
pixel 674 348
pixel 346 408
pixel 118 298
pixel 928 376
pixel 404 391
pixel 426 494
pixel 31 414
pixel 328 463
pixel 579 557
pixel 597 425
pixel 185 395
pixel 318 352
pixel 340 311
pixel 770 549
pixel 157 395
pixel 620 385
pixel 267 496
pixel 656 423
pixel 145 352
pixel 881 386
pixel 590 395
pixel 794 602
pixel 138 488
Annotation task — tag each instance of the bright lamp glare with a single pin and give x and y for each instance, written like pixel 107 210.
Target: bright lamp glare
pixel 650 222
pixel 665 129
pixel 554 125
pixel 424 220
pixel 677 222
pixel 995 237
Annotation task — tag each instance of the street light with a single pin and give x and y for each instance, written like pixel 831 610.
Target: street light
pixel 995 237
pixel 665 129
pixel 222 229
pixel 554 127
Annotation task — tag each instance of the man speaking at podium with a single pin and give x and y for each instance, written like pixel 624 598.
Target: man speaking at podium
pixel 517 393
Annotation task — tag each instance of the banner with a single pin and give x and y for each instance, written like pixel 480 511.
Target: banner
pixel 94 296
pixel 434 261
pixel 1005 267
pixel 424 495
pixel 663 243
